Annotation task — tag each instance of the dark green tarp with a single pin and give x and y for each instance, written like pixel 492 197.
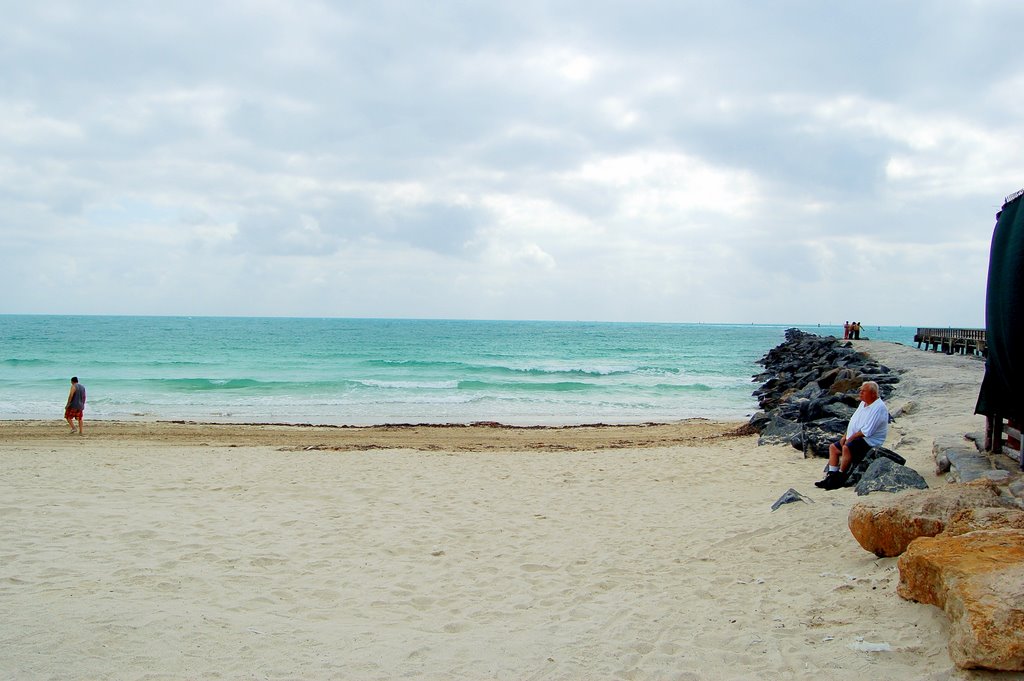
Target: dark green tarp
pixel 1002 390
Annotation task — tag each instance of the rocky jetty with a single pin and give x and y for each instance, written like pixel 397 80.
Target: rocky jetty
pixel 960 546
pixel 809 393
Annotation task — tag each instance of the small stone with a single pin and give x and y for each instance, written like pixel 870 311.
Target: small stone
pixel 789 497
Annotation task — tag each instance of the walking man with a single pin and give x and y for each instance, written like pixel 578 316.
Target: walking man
pixel 75 407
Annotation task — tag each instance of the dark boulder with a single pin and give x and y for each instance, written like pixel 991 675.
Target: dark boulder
pixel 780 431
pixel 873 455
pixel 885 475
pixel 816 440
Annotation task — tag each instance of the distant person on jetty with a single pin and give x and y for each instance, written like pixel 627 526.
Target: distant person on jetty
pixel 846 331
pixel 75 407
pixel 868 428
pixel 855 331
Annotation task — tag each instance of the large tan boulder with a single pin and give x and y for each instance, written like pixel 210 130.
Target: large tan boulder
pixel 978 580
pixel 886 527
pixel 971 519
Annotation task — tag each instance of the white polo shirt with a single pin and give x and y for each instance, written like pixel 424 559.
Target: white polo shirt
pixel 871 420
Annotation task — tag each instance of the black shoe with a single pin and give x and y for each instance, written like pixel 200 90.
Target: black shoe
pixel 821 483
pixel 834 480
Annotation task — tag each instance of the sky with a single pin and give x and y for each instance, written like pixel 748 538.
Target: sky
pixel 663 161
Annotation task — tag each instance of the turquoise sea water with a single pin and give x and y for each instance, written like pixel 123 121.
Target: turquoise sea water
pixel 371 371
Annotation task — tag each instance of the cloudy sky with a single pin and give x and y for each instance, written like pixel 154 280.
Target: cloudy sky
pixel 651 160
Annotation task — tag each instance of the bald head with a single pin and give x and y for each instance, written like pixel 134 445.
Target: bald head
pixel 868 392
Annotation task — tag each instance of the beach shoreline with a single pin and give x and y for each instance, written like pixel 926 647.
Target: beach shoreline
pixel 169 551
pixel 423 437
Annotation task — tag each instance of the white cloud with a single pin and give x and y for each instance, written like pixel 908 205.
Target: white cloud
pixel 932 152
pixel 668 188
pixel 577 68
pixel 669 160
pixel 531 254
pixel 21 125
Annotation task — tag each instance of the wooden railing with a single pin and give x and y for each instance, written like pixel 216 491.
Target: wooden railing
pixel 1003 436
pixel 952 341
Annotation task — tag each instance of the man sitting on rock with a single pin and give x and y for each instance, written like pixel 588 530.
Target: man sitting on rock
pixel 868 428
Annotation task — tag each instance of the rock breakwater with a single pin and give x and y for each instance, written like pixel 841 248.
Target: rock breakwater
pixel 809 391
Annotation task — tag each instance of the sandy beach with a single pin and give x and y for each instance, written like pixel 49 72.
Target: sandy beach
pixel 192 551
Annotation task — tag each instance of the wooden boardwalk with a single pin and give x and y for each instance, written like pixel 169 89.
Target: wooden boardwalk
pixel 952 341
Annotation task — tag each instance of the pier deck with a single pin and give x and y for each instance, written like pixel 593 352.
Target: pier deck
pixel 952 341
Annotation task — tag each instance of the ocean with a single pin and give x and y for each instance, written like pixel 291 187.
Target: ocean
pixel 376 371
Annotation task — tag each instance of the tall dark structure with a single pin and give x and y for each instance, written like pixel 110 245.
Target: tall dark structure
pixel 1002 390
